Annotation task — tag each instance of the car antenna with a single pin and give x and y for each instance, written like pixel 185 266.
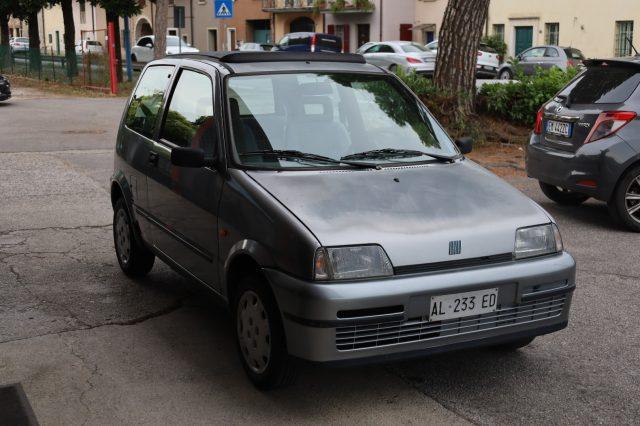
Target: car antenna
pixel 632 46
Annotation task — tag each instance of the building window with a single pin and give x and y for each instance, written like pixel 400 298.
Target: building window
pixel 83 12
pixel 50 39
pixel 178 16
pixel 498 31
pixel 552 33
pixel 624 36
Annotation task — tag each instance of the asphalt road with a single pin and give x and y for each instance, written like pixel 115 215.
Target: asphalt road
pixel 92 346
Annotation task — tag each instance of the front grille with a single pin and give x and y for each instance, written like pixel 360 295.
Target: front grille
pixel 453 264
pixel 419 329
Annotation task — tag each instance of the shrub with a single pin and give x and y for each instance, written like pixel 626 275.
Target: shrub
pixel 519 101
pixel 496 42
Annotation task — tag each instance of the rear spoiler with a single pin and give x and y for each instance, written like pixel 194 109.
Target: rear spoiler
pixel 632 63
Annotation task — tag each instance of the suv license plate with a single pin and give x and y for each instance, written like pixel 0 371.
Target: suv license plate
pixel 559 128
pixel 460 305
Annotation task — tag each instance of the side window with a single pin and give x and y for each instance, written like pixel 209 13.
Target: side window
pixel 373 49
pixel 143 41
pixel 147 99
pixel 284 41
pixel 534 53
pixel 189 120
pixel 384 48
pixel 551 53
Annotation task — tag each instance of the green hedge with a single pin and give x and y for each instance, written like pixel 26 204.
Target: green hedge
pixel 519 101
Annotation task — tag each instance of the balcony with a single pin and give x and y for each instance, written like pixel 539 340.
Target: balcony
pixel 284 6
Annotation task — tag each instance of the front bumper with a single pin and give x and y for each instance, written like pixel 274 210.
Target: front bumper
pixel 388 318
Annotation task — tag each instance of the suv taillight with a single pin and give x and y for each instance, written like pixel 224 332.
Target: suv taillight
pixel 314 41
pixel 538 127
pixel 609 123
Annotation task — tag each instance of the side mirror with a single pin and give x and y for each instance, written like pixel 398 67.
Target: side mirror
pixel 465 145
pixel 149 45
pixel 189 157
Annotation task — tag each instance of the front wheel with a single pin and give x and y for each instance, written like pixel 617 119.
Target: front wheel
pixel 393 68
pixel 135 259
pixel 562 196
pixel 625 203
pixel 260 335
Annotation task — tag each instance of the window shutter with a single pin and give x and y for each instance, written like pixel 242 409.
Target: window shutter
pixel 331 29
pixel 405 32
pixel 345 41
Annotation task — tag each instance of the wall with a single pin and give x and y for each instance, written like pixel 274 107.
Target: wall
pixel 429 14
pixel 588 25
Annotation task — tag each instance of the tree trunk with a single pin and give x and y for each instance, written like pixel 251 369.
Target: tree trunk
pixel 112 17
pixel 35 58
pixel 160 29
pixel 458 43
pixel 69 38
pixel 5 49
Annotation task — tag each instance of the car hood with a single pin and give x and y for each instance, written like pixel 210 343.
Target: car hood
pixel 413 212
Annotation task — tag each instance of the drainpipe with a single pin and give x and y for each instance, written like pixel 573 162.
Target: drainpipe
pixel 193 42
pixel 44 37
pixel 381 8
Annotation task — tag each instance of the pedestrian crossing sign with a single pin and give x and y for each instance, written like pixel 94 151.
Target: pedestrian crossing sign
pixel 223 9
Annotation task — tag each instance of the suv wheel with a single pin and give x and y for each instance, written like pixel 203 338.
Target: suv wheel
pixel 625 204
pixel 260 335
pixel 563 196
pixel 515 345
pixel 135 259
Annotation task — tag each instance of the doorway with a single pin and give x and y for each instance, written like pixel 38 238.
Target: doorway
pixel 231 39
pixel 364 34
pixel 524 39
pixel 212 39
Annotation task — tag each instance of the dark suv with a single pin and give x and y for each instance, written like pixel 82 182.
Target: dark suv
pixel 309 42
pixel 319 198
pixel 586 141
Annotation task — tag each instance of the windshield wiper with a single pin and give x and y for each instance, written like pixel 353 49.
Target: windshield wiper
pixel 288 153
pixel 393 152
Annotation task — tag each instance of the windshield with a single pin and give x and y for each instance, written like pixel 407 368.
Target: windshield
pixel 330 115
pixel 413 48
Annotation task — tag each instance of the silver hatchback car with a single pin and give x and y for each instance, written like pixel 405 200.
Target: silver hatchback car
pixel 323 203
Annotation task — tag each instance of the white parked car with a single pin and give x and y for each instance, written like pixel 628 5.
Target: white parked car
pixel 399 55
pixel 89 46
pixel 19 44
pixel 488 60
pixel 143 50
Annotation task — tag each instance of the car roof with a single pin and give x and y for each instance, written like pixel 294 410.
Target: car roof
pixel 239 62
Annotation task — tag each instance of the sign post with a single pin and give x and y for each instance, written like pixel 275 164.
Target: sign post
pixel 223 9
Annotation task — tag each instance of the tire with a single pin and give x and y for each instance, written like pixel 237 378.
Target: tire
pixel 393 68
pixel 505 74
pixel 514 345
pixel 625 202
pixel 562 196
pixel 135 259
pixel 260 337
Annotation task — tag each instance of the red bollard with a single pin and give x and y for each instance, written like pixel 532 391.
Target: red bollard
pixel 112 58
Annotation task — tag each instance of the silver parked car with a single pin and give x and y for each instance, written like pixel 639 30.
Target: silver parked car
pixel 320 200
pixel 399 55
pixel 545 57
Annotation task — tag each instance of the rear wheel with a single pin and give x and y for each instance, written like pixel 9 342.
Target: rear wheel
pixel 260 335
pixel 562 195
pixel 515 344
pixel 393 68
pixel 135 259
pixel 625 204
pixel 505 74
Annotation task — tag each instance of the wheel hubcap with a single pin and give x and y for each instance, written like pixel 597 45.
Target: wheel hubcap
pixel 632 199
pixel 254 334
pixel 123 236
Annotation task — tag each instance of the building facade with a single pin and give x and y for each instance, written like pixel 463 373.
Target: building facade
pixel 290 16
pixel 597 30
pixel 428 20
pixel 377 20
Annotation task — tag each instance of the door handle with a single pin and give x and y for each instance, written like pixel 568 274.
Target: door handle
pixel 153 158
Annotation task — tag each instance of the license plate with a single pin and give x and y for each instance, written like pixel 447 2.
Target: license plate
pixel 487 67
pixel 559 128
pixel 460 305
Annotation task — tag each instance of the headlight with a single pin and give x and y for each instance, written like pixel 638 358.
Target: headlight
pixel 537 241
pixel 342 263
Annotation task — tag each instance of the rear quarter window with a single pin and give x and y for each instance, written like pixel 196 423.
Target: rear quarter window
pixel 603 85
pixel 146 101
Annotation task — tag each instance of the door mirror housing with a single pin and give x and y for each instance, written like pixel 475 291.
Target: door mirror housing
pixel 465 145
pixel 149 45
pixel 190 157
